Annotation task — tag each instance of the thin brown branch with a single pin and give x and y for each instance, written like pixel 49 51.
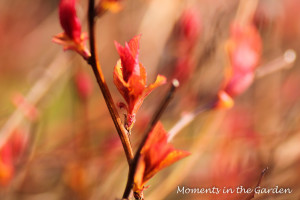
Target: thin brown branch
pixel 93 61
pixel 258 183
pixel 152 124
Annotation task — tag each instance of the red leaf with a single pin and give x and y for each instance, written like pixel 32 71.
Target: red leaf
pixel 71 38
pixel 130 79
pixel 156 155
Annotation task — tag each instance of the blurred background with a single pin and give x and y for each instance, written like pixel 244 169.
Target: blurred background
pixel 56 136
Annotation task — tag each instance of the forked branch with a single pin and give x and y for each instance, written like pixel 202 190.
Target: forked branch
pixel 93 61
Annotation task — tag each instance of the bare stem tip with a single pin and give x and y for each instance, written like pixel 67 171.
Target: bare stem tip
pixel 290 56
pixel 175 83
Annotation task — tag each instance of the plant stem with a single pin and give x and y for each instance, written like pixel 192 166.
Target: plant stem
pixel 152 124
pixel 284 61
pixel 252 194
pixel 93 61
pixel 188 118
pixel 38 91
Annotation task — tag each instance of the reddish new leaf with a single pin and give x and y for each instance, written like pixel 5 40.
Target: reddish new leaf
pixel 130 79
pixel 71 38
pixel 155 155
pixel 244 51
